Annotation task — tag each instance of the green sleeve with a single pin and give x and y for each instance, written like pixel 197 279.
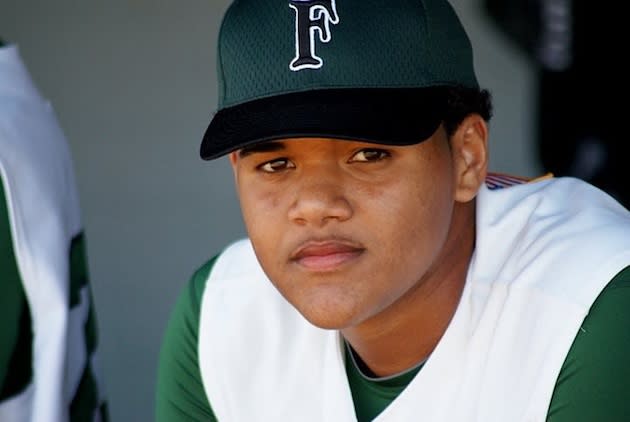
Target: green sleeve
pixel 594 382
pixel 15 324
pixel 180 393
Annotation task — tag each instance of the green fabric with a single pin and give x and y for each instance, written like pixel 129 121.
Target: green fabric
pixel 15 322
pixel 371 397
pixel 78 269
pixel 594 382
pixel 592 386
pixel 87 397
pixel 19 367
pixel 180 393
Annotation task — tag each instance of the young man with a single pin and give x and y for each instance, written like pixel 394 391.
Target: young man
pixel 48 330
pixel 386 275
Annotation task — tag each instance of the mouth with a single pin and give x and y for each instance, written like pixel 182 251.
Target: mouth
pixel 325 256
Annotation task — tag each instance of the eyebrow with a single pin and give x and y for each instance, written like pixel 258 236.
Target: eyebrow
pixel 262 147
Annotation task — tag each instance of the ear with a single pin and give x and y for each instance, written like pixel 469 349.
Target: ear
pixel 469 146
pixel 234 161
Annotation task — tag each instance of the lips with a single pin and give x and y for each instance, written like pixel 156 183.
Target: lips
pixel 327 255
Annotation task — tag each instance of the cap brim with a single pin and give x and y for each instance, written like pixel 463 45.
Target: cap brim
pixel 390 116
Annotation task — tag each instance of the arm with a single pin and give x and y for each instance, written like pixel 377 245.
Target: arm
pixel 594 382
pixel 180 392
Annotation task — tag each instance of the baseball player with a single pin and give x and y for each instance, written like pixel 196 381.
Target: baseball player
pixel 49 369
pixel 387 275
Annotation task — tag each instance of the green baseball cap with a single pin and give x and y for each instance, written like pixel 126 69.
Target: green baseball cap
pixel 366 70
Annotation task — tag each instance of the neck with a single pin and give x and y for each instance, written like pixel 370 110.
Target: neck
pixel 407 332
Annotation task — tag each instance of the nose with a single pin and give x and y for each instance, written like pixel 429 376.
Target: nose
pixel 319 199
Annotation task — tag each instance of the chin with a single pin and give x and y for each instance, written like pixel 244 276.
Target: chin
pixel 328 324
pixel 330 316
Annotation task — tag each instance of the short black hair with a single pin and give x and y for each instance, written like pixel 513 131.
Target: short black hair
pixel 461 102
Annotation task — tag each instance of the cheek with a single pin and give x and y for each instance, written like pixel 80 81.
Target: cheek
pixel 418 222
pixel 257 204
pixel 262 215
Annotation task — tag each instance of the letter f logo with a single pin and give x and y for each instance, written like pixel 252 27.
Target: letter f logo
pixel 311 17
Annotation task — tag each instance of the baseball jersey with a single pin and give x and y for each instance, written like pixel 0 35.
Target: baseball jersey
pixel 48 331
pixel 589 379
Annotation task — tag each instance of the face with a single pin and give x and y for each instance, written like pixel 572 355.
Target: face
pixel 345 229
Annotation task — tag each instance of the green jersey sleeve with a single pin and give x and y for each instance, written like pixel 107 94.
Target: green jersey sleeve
pixel 594 382
pixel 180 395
pixel 15 323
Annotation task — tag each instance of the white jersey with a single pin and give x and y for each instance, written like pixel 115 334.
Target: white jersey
pixel 544 251
pixel 39 185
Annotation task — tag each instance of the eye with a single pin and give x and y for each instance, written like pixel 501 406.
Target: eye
pixel 369 154
pixel 276 165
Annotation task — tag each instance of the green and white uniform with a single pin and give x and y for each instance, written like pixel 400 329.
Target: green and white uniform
pixel 48 340
pixel 540 332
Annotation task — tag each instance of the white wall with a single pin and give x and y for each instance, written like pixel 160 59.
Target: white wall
pixel 133 84
pixel 511 79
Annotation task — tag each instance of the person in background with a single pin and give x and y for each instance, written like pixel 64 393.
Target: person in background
pixel 49 369
pixel 387 274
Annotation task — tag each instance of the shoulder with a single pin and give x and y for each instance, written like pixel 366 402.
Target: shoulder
pixel 236 261
pixel 212 288
pixel 180 392
pixel 229 263
pixel 183 323
pixel 554 226
pixel 184 318
pixel 595 378
pixel 236 281
pixel 503 197
pixel 190 298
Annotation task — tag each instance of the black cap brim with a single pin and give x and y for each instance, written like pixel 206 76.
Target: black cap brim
pixel 389 116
